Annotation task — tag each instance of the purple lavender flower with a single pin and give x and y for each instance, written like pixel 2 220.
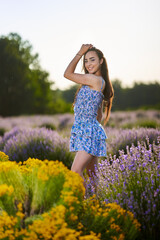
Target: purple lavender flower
pixel 122 139
pixel 133 181
pixel 22 143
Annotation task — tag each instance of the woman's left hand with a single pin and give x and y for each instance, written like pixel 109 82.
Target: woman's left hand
pixel 84 48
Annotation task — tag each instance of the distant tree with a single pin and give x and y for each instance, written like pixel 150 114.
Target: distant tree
pixel 60 105
pixel 69 94
pixel 118 94
pixel 24 86
pixel 145 94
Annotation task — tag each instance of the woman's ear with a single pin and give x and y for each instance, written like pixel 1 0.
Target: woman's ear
pixel 101 61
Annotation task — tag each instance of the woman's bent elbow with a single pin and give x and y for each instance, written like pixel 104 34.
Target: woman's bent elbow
pixel 65 75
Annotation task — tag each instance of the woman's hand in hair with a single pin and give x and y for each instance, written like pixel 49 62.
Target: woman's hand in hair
pixel 84 48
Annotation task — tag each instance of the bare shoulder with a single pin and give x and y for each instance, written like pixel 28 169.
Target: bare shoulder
pixel 91 80
pixel 99 83
pixel 84 79
pixel 95 82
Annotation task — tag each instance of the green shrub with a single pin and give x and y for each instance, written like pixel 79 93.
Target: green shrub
pixel 2 131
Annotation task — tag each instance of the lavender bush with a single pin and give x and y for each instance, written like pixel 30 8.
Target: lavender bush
pixel 130 119
pixel 118 139
pixel 133 181
pixel 21 143
pixel 54 121
pixel 118 119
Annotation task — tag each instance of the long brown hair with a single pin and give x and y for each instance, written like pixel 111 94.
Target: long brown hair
pixel 108 91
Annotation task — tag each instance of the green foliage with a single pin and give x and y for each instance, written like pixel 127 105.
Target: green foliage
pixel 48 126
pixel 142 123
pixel 62 155
pixel 24 86
pixel 141 95
pixel 2 131
pixel 59 105
pixel 69 94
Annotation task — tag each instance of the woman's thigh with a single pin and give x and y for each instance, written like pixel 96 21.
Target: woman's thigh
pixel 81 160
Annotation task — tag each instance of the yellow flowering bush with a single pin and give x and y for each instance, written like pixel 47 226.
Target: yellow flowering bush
pixel 45 200
pixel 5 189
pixel 112 221
pixel 3 157
pixel 49 183
pixel 11 175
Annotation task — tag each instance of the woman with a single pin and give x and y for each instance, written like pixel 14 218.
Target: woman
pixel 88 137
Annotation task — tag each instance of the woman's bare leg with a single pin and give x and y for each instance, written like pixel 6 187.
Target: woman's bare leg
pixel 91 172
pixel 84 160
pixel 81 161
pixel 91 166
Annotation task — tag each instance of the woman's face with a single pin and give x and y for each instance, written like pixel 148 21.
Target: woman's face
pixel 92 63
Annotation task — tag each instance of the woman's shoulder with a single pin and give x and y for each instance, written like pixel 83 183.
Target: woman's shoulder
pixel 99 83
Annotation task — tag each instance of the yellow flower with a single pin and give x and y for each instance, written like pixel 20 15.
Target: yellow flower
pixel 73 217
pixel 114 238
pixel 20 214
pixel 52 226
pixel 3 157
pixel 121 237
pixel 76 185
pixel 66 233
pixel 112 220
pixel 7 225
pixel 131 215
pixel 70 199
pixel 105 214
pixel 92 236
pixel 115 226
pixel 137 224
pixel 80 225
pixel 5 189
pixel 7 166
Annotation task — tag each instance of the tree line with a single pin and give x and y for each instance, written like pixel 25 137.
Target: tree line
pixel 25 88
pixel 141 95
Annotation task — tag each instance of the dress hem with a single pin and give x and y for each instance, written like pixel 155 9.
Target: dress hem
pixel 88 153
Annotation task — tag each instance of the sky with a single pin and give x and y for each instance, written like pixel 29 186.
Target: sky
pixel 126 31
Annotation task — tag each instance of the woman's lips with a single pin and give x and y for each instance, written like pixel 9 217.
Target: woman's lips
pixel 90 69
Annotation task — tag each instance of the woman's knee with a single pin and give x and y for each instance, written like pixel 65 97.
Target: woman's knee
pixel 77 171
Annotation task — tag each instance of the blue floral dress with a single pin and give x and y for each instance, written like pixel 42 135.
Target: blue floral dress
pixel 87 134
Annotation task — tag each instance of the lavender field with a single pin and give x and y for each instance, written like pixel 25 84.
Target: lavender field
pixel 123 128
pixel 129 176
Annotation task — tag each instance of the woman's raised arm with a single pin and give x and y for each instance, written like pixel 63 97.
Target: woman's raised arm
pixel 69 73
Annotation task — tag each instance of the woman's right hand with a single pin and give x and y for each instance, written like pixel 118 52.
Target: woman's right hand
pixel 84 48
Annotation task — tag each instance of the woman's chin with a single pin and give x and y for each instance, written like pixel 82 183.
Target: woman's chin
pixel 91 72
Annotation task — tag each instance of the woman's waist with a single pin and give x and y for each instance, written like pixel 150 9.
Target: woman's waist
pixel 86 110
pixel 85 118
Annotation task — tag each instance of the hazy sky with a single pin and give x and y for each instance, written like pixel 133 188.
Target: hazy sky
pixel 127 31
